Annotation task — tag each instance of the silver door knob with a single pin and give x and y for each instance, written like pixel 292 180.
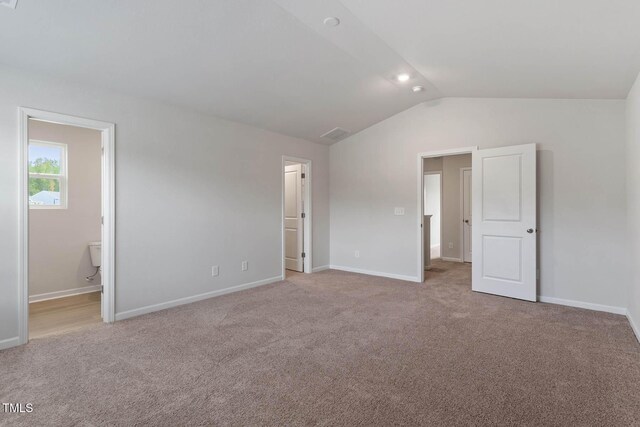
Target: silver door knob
pixel 529 230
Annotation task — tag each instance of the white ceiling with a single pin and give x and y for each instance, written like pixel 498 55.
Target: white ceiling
pixel 272 64
pixel 514 48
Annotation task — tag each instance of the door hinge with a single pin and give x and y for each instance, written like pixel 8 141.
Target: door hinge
pixel 102 288
pixel 102 220
pixel 304 215
pixel 304 175
pixel 304 255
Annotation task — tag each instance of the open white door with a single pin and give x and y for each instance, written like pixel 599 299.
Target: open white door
pixel 293 218
pixel 504 229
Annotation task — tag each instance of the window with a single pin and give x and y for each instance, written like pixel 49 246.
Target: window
pixel 47 175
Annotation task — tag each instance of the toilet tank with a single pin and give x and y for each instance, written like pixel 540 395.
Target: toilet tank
pixel 95 249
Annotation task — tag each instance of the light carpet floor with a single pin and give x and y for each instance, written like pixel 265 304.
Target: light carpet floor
pixel 336 348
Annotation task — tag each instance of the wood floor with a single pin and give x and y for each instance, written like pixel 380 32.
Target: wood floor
pixel 63 315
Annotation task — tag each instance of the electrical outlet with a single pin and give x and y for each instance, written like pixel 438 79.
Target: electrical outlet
pixel 357 254
pixel 450 245
pixel 398 211
pixel 215 270
pixel 245 265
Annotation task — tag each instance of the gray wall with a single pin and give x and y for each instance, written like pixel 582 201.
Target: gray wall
pixel 192 191
pixel 432 164
pixel 58 254
pixel 451 204
pixel 633 202
pixel 581 182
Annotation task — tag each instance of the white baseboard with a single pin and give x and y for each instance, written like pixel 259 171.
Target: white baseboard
pixel 587 305
pixel 376 273
pixel 65 293
pixel 321 268
pixel 444 258
pixel 187 300
pixel 634 326
pixel 9 342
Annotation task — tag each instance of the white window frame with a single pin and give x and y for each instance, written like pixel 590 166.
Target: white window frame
pixel 63 177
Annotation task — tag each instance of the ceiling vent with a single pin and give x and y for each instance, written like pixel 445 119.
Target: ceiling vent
pixel 335 134
pixel 9 3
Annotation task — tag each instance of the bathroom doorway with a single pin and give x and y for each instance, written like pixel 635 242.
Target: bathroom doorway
pixel 67 224
pixel 296 216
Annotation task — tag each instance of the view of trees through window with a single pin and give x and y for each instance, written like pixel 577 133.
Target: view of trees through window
pixel 46 174
pixel 37 185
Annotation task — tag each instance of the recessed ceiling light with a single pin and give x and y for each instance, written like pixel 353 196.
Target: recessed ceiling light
pixel 418 88
pixel 331 21
pixel 404 77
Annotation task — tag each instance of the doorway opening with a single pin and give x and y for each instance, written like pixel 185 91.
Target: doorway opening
pixel 445 202
pixel 432 214
pixel 67 223
pixel 502 186
pixel 296 216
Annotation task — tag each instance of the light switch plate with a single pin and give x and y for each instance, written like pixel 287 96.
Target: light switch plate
pixel 215 270
pixel 398 211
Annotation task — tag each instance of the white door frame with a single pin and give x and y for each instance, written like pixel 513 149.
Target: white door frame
pixel 441 188
pixel 307 223
pixel 462 210
pixel 420 210
pixel 108 210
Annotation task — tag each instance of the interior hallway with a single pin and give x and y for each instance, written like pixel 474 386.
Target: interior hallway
pixel 338 348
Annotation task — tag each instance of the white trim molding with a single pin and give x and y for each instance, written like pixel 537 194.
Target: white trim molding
pixel 376 273
pixel 9 342
pixel 187 300
pixel 107 131
pixel 66 293
pixel 581 304
pixel 449 259
pixel 321 268
pixel 634 326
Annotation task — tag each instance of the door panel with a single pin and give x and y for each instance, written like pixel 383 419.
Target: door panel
pixel 501 188
pixel 507 268
pixel 293 222
pixel 503 234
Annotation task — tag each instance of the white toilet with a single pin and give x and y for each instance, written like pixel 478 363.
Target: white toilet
pixel 95 249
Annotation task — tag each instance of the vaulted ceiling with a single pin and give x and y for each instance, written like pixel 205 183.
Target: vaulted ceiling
pixel 274 63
